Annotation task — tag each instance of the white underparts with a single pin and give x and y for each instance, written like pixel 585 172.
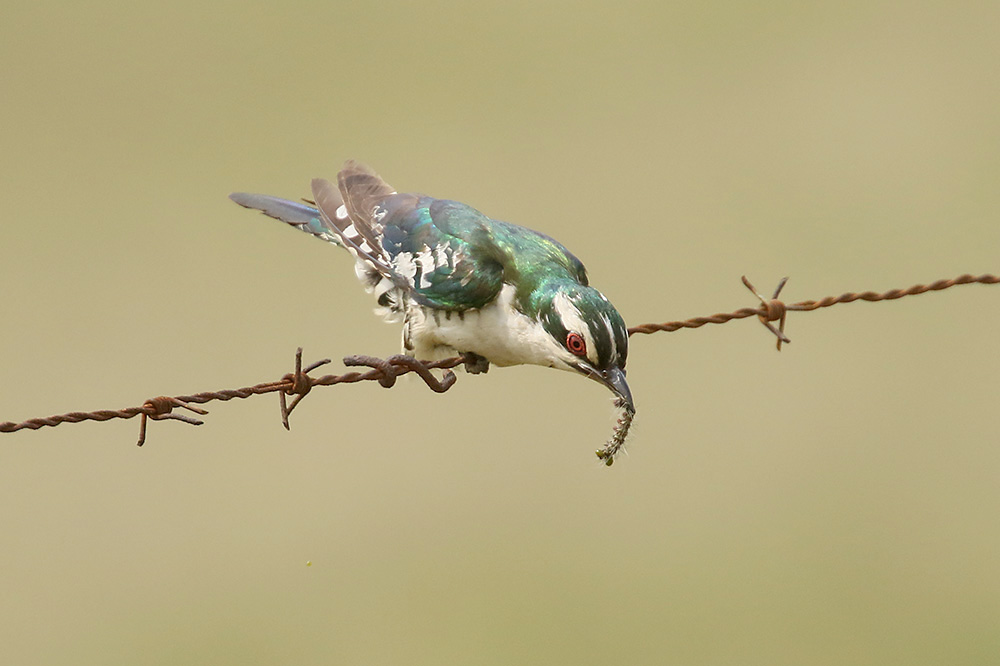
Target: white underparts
pixel 497 332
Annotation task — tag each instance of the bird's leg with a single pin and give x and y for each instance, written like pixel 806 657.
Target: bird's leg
pixel 475 364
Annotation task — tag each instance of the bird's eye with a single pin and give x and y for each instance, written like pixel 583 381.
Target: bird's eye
pixel 575 343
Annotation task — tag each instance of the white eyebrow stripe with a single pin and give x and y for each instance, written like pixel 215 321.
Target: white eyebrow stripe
pixel 611 336
pixel 573 321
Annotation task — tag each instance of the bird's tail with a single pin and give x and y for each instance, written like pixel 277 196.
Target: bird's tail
pixel 299 215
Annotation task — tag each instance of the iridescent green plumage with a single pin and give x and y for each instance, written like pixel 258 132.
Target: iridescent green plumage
pixel 480 254
pixel 461 281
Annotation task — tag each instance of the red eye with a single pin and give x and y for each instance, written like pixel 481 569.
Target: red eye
pixel 575 344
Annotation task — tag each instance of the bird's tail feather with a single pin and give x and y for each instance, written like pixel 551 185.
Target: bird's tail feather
pixel 299 215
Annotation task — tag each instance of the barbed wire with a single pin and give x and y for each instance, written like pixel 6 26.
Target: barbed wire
pixel 385 371
pixel 299 383
pixel 774 310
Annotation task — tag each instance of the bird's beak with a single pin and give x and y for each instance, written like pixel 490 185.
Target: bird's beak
pixel 614 379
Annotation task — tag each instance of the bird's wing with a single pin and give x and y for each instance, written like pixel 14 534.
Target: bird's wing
pixel 444 250
pixel 440 253
pixel 356 235
pixel 436 251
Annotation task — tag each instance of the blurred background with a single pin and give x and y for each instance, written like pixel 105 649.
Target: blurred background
pixel 835 503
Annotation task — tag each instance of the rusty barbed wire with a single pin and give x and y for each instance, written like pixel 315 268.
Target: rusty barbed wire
pixel 774 310
pixel 385 371
pixel 299 383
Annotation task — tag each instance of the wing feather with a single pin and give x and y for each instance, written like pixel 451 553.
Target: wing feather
pixel 363 192
pixel 436 252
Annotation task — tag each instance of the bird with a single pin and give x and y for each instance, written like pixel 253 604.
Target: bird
pixel 461 282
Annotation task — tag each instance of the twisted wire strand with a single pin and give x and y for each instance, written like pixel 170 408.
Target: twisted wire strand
pixel 385 371
pixel 807 306
pixel 299 383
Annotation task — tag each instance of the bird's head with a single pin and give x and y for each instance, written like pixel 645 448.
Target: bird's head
pixel 588 336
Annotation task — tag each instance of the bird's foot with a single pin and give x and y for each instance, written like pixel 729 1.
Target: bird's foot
pixel 475 364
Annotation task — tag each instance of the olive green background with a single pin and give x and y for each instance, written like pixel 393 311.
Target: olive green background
pixel 836 503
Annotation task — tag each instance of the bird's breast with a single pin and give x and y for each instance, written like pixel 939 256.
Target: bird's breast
pixel 498 331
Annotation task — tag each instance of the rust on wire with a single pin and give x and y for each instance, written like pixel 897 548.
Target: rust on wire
pixel 160 408
pixel 400 364
pixel 385 371
pixel 775 310
pixel 298 383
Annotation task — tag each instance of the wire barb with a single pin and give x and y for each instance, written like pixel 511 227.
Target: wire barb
pixel 385 371
pixel 388 370
pixel 775 310
pixel 300 385
pixel 160 408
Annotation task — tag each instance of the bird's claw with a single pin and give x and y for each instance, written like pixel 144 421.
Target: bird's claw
pixel 475 364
